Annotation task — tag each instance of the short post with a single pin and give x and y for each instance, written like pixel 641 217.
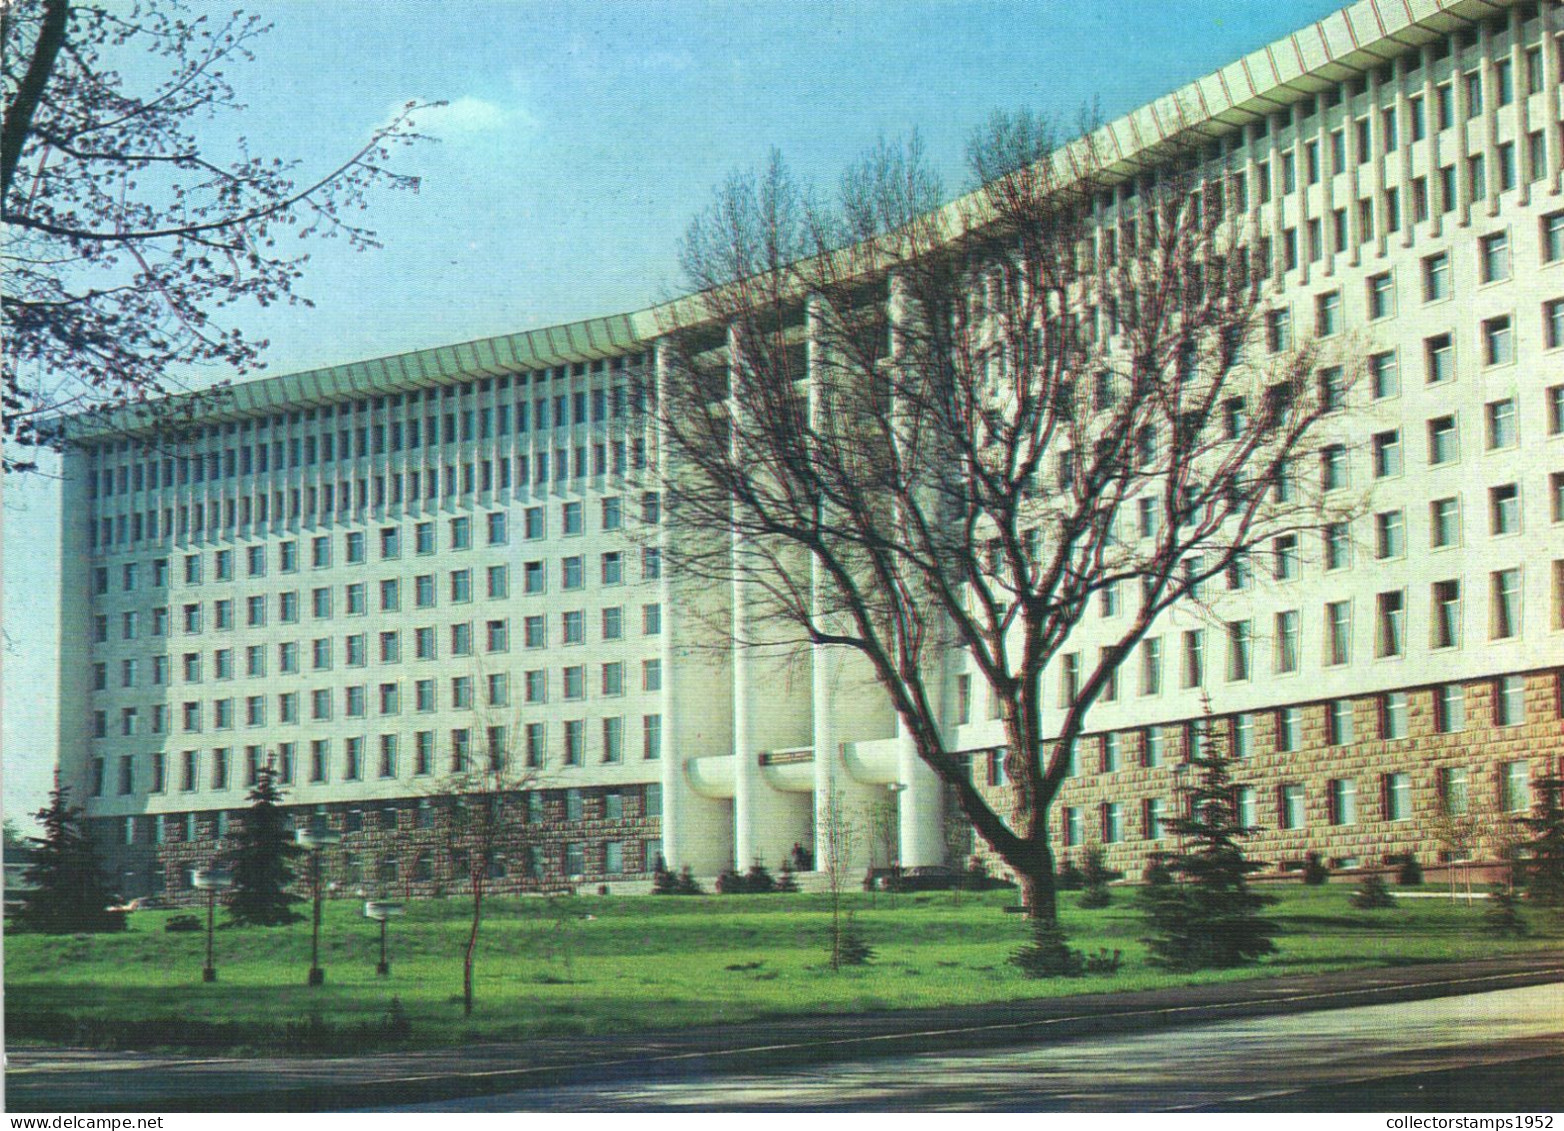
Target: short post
pixel 316 837
pixel 381 911
pixel 211 881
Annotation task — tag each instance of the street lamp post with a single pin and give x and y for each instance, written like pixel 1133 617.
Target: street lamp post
pixel 382 910
pixel 211 881
pixel 315 838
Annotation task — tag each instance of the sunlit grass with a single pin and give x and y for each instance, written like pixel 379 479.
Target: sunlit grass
pixel 589 965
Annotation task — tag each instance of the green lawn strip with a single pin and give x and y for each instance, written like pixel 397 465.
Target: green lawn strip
pixel 589 965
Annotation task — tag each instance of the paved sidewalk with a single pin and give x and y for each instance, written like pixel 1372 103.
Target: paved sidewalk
pixel 78 1080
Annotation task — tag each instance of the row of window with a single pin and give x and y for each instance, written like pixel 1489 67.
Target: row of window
pixel 1235 735
pixel 612 683
pixel 1446 619
pixel 1446 623
pixel 355 543
pixel 257 608
pixel 356 651
pixel 459 424
pixel 360 761
pixel 1493 266
pixel 530 807
pixel 1290 804
pixel 353 499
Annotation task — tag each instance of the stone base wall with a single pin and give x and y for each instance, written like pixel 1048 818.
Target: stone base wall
pixel 409 848
pixel 1483 748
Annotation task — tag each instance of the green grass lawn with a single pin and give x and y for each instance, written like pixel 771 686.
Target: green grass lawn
pixel 587 965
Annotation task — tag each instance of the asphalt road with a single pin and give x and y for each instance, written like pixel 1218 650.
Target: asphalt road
pixel 1481 1052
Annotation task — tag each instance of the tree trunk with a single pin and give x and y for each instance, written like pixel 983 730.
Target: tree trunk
pixel 1039 892
pixel 29 92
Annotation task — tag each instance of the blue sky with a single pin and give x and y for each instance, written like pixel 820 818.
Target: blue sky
pixel 579 139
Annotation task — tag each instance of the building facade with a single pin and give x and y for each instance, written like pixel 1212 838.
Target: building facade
pixel 374 575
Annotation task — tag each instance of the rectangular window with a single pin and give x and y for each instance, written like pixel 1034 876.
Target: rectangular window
pixel 1286 642
pixel 1390 535
pixel 1387 454
pixel 1505 604
pixel 1444 523
pixel 1446 610
pixel 1498 341
pixel 1194 658
pixel 1241 735
pixel 1398 797
pixel 1450 708
pixel 1509 701
pixel 1239 647
pixel 1327 314
pixel 1436 277
pixel 1381 296
pixel 1553 237
pixel 1504 508
pixel 1333 467
pixel 1343 794
pixel 1151 667
pixel 1494 256
pixel 1151 747
pixel 1442 447
pixel 1515 786
pixel 1391 623
pixel 1439 356
pixel 1338 632
pixel 1338 546
pixel 1454 792
pixel 1385 376
pixel 1112 822
pixel 1290 806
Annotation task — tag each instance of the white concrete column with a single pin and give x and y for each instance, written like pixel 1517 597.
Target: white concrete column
pixel 770 711
pixel 1463 184
pixel 1490 83
pixel 1436 205
pixel 921 808
pixel 1550 96
pixel 697 831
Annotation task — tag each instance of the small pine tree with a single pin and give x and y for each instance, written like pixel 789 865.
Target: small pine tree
pixel 1069 877
pixel 730 882
pixel 1213 919
pixel 1047 955
pixel 1372 894
pixel 1314 870
pixel 1157 871
pixel 262 862
pixel 1503 914
pixel 758 880
pixel 1095 875
pixel 787 882
pixel 1542 868
pixel 664 882
pixel 851 948
pixel 688 885
pixel 70 892
pixel 1410 874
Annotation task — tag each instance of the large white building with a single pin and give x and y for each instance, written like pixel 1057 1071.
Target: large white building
pixel 371 573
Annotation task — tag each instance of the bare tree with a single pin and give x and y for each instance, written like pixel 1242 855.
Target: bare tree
pixel 906 428
pixel 479 794
pixel 131 228
pixel 1458 835
pixel 840 844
